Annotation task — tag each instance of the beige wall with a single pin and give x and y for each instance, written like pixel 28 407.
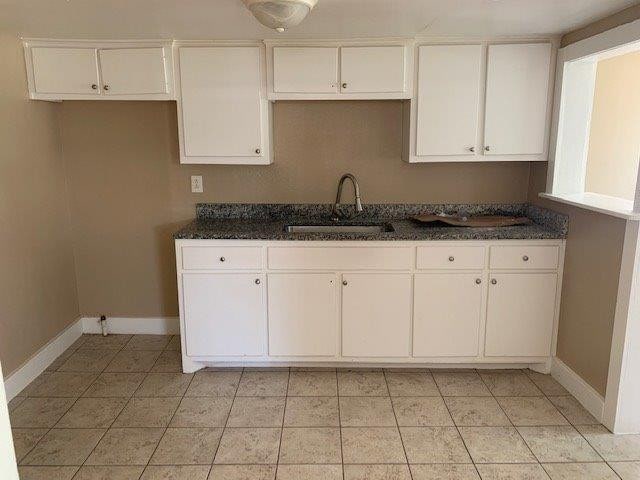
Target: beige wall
pixel 38 296
pixel 129 193
pixel 614 140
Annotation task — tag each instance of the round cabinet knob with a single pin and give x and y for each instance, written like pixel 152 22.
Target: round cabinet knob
pixel 344 85
pixel 487 148
pixel 525 258
pixel 258 151
pixel 494 281
pixel 451 259
pixel 222 259
pixel 478 281
pixel 106 87
pixel 472 149
pixel 344 282
pixel 94 86
pixel 257 282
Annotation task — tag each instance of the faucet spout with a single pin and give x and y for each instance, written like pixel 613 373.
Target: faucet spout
pixel 335 213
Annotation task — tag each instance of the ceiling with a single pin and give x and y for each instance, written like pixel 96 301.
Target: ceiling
pixel 228 19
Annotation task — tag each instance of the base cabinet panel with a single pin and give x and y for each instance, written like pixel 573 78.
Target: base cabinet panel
pixel 520 314
pixel 302 310
pixel 224 314
pixel 446 314
pixel 376 315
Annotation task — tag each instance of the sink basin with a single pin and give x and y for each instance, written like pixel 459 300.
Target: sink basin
pixel 366 229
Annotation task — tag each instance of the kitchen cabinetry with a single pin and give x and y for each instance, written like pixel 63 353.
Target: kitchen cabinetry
pixel 130 71
pixel 65 71
pixel 305 69
pixel 372 69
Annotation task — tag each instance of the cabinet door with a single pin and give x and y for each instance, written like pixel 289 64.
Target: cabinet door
pixel 448 99
pixel 221 102
pixel 128 71
pixel 224 314
pixel 302 314
pixel 376 315
pixel 305 69
pixel 517 99
pixel 372 69
pixel 446 314
pixel 65 70
pixel 520 314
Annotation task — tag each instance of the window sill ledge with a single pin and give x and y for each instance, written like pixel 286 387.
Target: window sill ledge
pixel 616 207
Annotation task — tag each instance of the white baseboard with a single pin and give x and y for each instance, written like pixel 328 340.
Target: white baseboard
pixel 139 325
pixel 44 357
pixel 584 393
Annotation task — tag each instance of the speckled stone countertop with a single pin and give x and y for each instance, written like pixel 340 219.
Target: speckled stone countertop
pixel 227 221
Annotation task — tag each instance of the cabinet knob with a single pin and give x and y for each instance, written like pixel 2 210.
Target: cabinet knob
pixel 257 282
pixel 344 282
pixel 494 281
pixel 106 87
pixel 472 149
pixel 487 148
pixel 451 259
pixel 94 86
pixel 258 151
pixel 478 281
pixel 222 259
pixel 525 258
pixel 344 85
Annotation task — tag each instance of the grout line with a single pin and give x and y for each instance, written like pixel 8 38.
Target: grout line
pixel 286 394
pixel 406 457
pixel 340 423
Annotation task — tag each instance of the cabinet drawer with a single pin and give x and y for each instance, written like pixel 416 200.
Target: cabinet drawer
pixel 340 258
pixel 452 257
pixel 524 257
pixel 221 258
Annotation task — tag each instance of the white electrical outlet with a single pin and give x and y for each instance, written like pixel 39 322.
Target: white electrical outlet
pixel 196 184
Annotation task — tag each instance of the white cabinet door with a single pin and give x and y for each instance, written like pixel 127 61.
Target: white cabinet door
pixel 448 99
pixel 221 104
pixel 224 314
pixel 520 314
pixel 517 99
pixel 129 71
pixel 372 69
pixel 65 70
pixel 302 314
pixel 446 314
pixel 305 69
pixel 376 315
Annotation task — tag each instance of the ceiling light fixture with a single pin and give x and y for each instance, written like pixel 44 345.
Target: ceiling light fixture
pixel 280 14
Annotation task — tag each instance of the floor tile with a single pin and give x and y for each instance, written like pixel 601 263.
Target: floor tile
pixel 114 385
pixel 531 411
pixel 148 342
pixel 24 439
pixel 376 472
pixel 173 472
pixel 573 411
pixel 263 384
pixel 110 341
pixel 174 344
pixel 87 360
pixel 57 363
pixel 366 412
pixel 202 412
pixel 47 473
pixel 214 384
pixel 164 385
pixel 362 384
pixel 512 472
pixel 411 385
pixel 311 412
pixel 15 402
pixel 60 384
pixel 64 447
pixel 187 446
pixel 169 361
pixel 109 473
pixel 476 412
pixel 127 361
pixel 82 339
pixel 309 472
pixel 147 412
pixel 40 412
pixel 579 471
pixel 558 444
pixel 421 412
pixel 310 446
pixel 243 472
pixel 613 448
pixel 92 413
pixel 126 446
pixel 510 384
pixel 626 470
pixel 372 445
pixel 313 384
pixel 444 472
pixel 461 384
pixel 257 412
pixel 434 445
pixel 546 383
pixel 248 446
pixel 496 445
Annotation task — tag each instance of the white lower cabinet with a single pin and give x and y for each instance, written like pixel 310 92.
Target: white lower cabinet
pixel 376 314
pixel 447 309
pixel 303 315
pixel 224 314
pixel 520 314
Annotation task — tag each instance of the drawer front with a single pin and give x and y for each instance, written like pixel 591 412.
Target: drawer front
pixel 452 257
pixel 221 258
pixel 340 258
pixel 524 257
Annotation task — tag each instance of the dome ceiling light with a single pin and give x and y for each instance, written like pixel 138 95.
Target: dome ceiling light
pixel 280 14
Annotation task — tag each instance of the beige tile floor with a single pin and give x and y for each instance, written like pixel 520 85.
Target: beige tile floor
pixel 118 408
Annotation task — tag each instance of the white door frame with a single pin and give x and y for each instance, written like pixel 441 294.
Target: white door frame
pixel 8 467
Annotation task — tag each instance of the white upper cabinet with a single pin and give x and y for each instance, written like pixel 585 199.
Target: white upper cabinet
pixel 305 69
pixel 130 71
pixel 65 71
pixel 517 99
pixel 222 112
pixel 448 99
pixel 372 69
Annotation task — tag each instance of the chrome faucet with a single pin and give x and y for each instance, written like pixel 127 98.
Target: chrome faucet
pixel 335 213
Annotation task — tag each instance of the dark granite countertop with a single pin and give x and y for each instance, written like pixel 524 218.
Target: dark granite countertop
pixel 267 222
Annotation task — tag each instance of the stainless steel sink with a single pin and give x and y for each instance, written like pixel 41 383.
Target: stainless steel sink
pixel 366 229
